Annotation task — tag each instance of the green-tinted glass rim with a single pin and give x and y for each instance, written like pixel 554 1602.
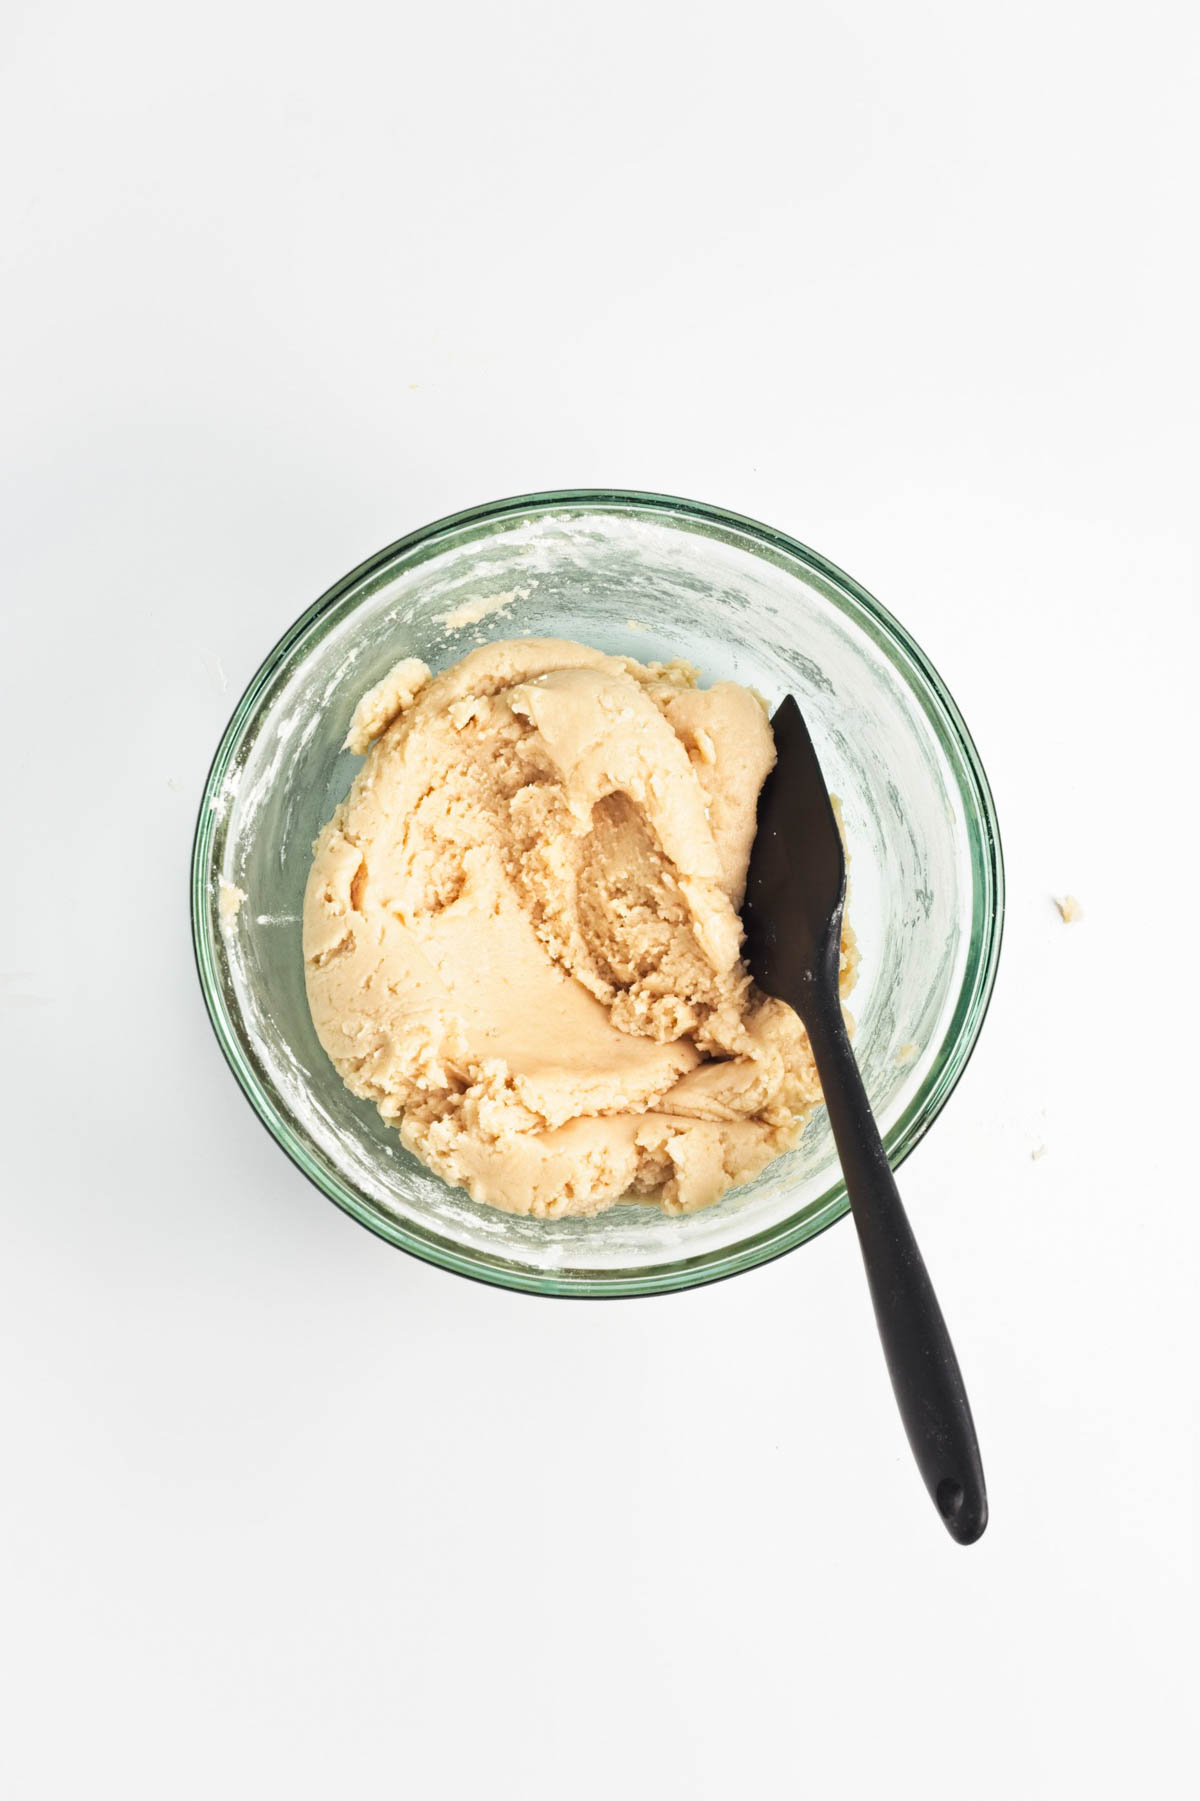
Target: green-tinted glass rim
pixel 945 720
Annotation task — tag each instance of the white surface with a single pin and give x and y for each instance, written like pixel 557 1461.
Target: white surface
pixel 283 1512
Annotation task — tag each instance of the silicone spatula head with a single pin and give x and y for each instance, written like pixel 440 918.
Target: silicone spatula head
pixel 796 885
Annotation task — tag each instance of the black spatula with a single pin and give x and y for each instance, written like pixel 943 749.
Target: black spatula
pixel 795 893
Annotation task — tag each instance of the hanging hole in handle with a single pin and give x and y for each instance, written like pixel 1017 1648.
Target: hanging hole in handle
pixel 950 1497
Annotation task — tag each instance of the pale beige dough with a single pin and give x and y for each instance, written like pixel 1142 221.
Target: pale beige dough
pixel 521 931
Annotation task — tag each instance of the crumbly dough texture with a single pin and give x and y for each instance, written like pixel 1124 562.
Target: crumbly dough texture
pixel 521 931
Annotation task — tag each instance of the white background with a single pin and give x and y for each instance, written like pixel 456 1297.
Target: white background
pixel 283 1512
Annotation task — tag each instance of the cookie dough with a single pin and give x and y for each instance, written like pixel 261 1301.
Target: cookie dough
pixel 521 931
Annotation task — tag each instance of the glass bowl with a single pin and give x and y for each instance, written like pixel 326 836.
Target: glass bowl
pixel 655 578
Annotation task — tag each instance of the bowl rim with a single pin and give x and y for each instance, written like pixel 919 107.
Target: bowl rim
pixel 958 1041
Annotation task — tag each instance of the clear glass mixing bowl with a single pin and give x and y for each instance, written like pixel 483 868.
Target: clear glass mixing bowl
pixel 654 578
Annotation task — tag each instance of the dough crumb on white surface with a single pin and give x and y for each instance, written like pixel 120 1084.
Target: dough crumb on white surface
pixel 1070 908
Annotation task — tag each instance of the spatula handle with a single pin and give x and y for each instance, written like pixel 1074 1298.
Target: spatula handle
pixel 920 1357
